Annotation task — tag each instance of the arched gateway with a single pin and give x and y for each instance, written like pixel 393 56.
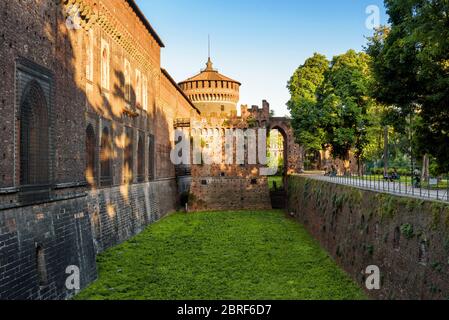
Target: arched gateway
pixel 293 153
pixel 237 184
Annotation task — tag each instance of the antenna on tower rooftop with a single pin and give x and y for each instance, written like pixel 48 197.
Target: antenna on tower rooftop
pixel 209 65
pixel 208 38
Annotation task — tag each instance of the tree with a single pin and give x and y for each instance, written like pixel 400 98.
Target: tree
pixel 411 71
pixel 306 114
pixel 331 104
pixel 345 100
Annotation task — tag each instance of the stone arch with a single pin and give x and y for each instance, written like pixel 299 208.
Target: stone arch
pixel 292 151
pixel 128 163
pixel 105 65
pixel 285 145
pixel 106 157
pixel 141 158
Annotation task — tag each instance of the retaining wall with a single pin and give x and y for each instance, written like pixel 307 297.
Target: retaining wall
pixel 407 238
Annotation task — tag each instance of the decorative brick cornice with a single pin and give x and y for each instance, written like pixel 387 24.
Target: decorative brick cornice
pixel 95 13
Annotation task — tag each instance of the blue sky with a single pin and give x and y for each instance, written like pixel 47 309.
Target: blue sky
pixel 257 42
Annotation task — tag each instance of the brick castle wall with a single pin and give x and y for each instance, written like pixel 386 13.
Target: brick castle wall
pixel 81 217
pixel 63 230
pixel 119 213
pixel 73 232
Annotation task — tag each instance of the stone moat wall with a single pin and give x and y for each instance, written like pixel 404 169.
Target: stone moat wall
pixel 229 193
pixel 408 239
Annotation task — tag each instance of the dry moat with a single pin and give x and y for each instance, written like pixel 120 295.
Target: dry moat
pixel 221 255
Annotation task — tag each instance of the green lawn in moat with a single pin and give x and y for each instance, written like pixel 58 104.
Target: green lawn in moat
pixel 221 256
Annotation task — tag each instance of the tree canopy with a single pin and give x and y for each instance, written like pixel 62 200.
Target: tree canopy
pixel 330 103
pixel 411 71
pixel 346 101
pixel 402 81
pixel 306 114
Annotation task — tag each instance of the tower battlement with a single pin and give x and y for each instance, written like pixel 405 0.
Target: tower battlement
pixel 256 112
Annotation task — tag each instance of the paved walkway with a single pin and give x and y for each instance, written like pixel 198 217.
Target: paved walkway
pixel 398 188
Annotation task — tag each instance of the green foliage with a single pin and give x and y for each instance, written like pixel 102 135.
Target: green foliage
pixel 338 201
pixel 331 105
pixel 407 231
pixel 388 205
pixel 345 100
pixel 356 196
pixel 413 204
pixel 403 172
pixel 254 255
pixel 411 71
pixel 437 266
pixel 437 209
pixel 251 121
pixel 306 113
pixel 370 249
pixel 275 179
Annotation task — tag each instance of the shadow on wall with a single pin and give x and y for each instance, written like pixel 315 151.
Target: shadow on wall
pixel 41 241
pixel 45 235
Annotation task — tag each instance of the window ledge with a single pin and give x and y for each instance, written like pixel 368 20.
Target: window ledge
pixel 10 190
pixel 70 185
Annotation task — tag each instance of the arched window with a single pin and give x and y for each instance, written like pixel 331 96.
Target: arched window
pixel 91 145
pixel 151 157
pixel 128 164
pixel 89 56
pixel 141 159
pixel 127 81
pixel 145 93
pixel 96 225
pixel 105 65
pixel 34 137
pixel 138 89
pixel 106 158
pixel 41 267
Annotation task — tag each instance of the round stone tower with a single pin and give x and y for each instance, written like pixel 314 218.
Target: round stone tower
pixel 212 93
